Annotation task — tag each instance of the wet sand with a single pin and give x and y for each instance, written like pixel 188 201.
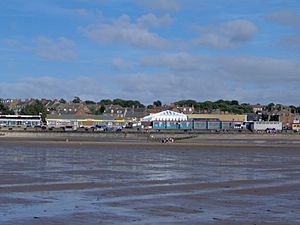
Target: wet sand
pixel 143 140
pixel 51 181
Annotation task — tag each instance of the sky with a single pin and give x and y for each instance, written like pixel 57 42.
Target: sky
pixel 151 49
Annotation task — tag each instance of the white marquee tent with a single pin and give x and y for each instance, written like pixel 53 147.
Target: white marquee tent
pixel 167 115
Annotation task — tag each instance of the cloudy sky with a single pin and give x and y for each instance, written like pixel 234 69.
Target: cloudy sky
pixel 151 49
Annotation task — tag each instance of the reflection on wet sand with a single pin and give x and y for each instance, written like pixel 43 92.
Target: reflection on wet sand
pixel 149 185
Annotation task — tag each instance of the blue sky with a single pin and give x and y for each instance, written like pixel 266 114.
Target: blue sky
pixel 148 50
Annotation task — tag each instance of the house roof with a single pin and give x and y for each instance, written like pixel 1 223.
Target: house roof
pixel 137 113
pixel 77 117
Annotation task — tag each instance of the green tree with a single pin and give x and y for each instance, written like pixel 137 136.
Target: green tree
pixel 293 109
pixel 187 103
pixel 207 105
pixel 127 103
pixel 100 110
pixel 149 106
pixel 119 102
pixel 4 110
pixel 232 106
pixel 234 102
pixel 247 108
pixel 92 108
pixel 219 101
pixel 105 102
pixel 35 108
pixel 88 102
pixel 62 101
pixel 270 107
pixel 76 99
pixel 157 103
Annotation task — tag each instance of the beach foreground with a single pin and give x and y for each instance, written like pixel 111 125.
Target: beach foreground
pixel 135 182
pixel 152 139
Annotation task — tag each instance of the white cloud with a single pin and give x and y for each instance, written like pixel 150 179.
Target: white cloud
pixel 82 12
pixel 50 87
pixel 122 30
pixel 261 71
pixel 181 61
pixel 163 5
pixel 287 18
pixel 291 42
pixel 152 20
pixel 16 45
pixel 120 64
pixel 251 70
pixel 246 78
pixel 177 76
pixel 249 79
pixel 13 43
pixel 60 50
pixel 229 35
pixel 170 87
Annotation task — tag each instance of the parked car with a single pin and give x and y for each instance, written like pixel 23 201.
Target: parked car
pixel 100 128
pixel 270 130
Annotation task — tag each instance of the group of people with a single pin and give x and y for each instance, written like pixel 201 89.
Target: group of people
pixel 167 140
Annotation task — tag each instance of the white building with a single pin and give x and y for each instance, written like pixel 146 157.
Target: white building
pixel 20 121
pixel 266 125
pixel 167 115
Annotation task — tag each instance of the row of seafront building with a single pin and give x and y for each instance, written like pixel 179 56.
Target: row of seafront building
pixel 135 116
pixel 162 120
pixel 174 120
pixel 116 116
pixel 90 121
pixel 278 112
pixel 169 120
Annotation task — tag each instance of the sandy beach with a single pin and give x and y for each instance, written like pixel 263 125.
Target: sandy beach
pixel 203 180
pixel 143 139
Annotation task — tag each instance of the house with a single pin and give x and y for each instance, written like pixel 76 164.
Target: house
pixel 186 110
pixel 283 114
pixel 115 111
pixel 134 114
pixel 257 108
pixel 77 121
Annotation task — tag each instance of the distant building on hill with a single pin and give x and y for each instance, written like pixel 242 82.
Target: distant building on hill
pixel 115 111
pixel 135 114
pixel 257 108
